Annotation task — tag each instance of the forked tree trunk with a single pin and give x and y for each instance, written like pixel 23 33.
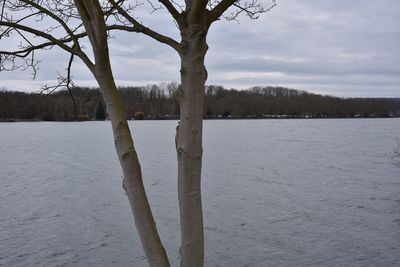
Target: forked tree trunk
pixel 189 143
pixel 92 17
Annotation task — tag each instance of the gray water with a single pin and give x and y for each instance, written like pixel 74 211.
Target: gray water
pixel 276 193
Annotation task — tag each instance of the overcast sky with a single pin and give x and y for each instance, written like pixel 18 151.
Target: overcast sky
pixel 334 47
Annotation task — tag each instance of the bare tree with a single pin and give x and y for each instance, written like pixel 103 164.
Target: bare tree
pixel 193 19
pixel 77 20
pixel 70 22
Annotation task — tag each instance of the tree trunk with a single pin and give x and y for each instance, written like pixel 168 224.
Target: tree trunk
pixel 132 181
pixel 189 144
pixel 93 19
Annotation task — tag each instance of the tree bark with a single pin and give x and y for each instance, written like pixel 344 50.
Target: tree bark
pixel 189 143
pixel 132 181
pixel 92 17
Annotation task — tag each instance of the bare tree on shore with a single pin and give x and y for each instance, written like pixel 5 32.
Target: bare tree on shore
pixel 69 25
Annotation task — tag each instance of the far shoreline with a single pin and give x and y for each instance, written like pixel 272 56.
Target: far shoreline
pixel 282 117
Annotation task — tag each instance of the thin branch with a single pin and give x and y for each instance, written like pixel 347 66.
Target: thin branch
pixel 138 27
pixel 56 18
pixel 142 29
pixel 26 51
pixel 38 33
pixel 4 33
pixel 68 85
pixel 63 82
pixel 29 63
pixel 2 10
pixel 171 9
pixel 252 9
pixel 219 9
pixel 181 7
pixel 49 89
pixel 52 41
pixel 155 8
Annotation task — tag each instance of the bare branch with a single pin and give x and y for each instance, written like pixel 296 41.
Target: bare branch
pixel 171 9
pixel 6 31
pixel 56 18
pixel 29 29
pixel 69 83
pixel 220 8
pixel 26 51
pixel 253 9
pixel 42 34
pixel 140 28
pixel 155 8
pixel 63 82
pixel 62 43
pixel 2 10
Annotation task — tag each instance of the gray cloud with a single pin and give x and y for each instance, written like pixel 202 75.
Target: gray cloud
pixel 325 46
pixel 344 48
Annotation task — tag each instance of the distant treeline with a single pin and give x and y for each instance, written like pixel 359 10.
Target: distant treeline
pixel 160 102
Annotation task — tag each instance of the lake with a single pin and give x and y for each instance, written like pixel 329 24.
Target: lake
pixel 317 192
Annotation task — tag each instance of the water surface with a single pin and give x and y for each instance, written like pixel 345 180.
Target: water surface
pixel 276 193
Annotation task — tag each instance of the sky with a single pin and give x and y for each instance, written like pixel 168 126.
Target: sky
pixel 331 47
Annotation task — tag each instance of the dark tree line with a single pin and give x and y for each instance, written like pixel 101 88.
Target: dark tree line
pixel 160 102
